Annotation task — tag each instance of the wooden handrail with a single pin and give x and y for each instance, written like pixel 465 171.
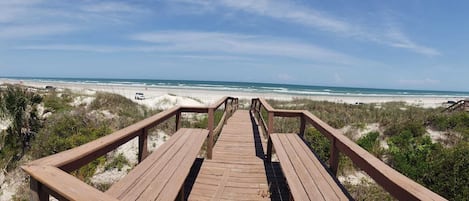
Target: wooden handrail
pixel 398 185
pixel 458 104
pixel 211 121
pixel 59 164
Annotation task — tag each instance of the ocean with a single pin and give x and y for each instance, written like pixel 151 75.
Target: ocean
pixel 289 89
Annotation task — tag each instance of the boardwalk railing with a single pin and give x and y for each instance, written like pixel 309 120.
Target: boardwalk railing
pixel 392 181
pixel 461 104
pixel 60 164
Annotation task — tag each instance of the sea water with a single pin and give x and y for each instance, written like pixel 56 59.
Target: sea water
pixel 290 89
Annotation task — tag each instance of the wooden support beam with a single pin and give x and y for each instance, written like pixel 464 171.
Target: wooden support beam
pixel 270 130
pixel 302 126
pixel 178 121
pixel 38 192
pixel 143 145
pixel 334 158
pixel 210 133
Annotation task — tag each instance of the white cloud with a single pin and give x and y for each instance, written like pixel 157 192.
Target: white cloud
pixel 398 39
pixel 216 45
pixel 294 13
pixel 33 18
pixel 23 31
pixel 214 42
pixel 101 7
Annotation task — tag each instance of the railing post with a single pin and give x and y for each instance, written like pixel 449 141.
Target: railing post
pixel 178 120
pixel 302 126
pixel 143 145
pixel 37 191
pixel 270 129
pixel 210 133
pixel 334 158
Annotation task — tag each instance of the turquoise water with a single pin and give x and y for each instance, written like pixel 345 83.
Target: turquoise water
pixel 300 90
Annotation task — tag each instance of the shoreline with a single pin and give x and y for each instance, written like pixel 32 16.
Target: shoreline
pixel 155 94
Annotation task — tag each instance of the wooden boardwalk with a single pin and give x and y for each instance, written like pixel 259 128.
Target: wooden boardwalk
pixel 238 167
pixel 237 170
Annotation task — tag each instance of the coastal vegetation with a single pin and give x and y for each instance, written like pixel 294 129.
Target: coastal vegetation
pixel 45 122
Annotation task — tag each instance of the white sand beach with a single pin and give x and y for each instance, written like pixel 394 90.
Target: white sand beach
pixel 157 97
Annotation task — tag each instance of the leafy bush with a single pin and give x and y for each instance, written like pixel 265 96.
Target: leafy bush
pixel 18 105
pixel 68 130
pixel 127 111
pixel 319 143
pixel 412 155
pixel 370 142
pixel 118 105
pixel 456 121
pixel 449 176
pixel 414 128
pixel 58 102
pixel 118 162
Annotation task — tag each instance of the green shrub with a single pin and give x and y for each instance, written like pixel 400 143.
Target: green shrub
pixel 58 104
pixel 449 175
pixel 118 105
pixel 68 130
pixel 118 162
pixel 412 155
pixel 455 121
pixel 18 105
pixel 369 140
pixel 319 143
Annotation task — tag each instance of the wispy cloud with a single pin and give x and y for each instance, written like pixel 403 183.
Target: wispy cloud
pixel 103 7
pixel 38 18
pixel 23 31
pixel 290 12
pixel 399 40
pixel 197 45
pixel 228 43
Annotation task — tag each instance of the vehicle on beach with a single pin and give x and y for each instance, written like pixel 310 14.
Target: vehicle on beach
pixel 50 87
pixel 139 96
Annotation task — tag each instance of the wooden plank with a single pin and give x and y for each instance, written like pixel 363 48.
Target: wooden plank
pixel 65 184
pixel 325 183
pixel 156 177
pixel 139 175
pixel 306 182
pixel 176 181
pixel 288 170
pixel 221 186
pixel 235 152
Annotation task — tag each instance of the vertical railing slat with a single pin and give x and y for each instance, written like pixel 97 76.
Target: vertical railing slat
pixel 210 133
pixel 143 145
pixel 38 192
pixel 334 158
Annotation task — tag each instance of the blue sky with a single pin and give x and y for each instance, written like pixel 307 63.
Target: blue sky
pixel 409 44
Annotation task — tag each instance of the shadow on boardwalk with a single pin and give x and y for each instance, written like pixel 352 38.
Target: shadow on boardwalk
pixel 277 184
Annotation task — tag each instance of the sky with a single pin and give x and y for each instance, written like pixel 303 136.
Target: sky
pixel 407 44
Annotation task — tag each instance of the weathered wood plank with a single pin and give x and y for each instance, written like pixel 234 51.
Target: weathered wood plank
pixel 235 172
pixel 65 184
pixel 140 172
